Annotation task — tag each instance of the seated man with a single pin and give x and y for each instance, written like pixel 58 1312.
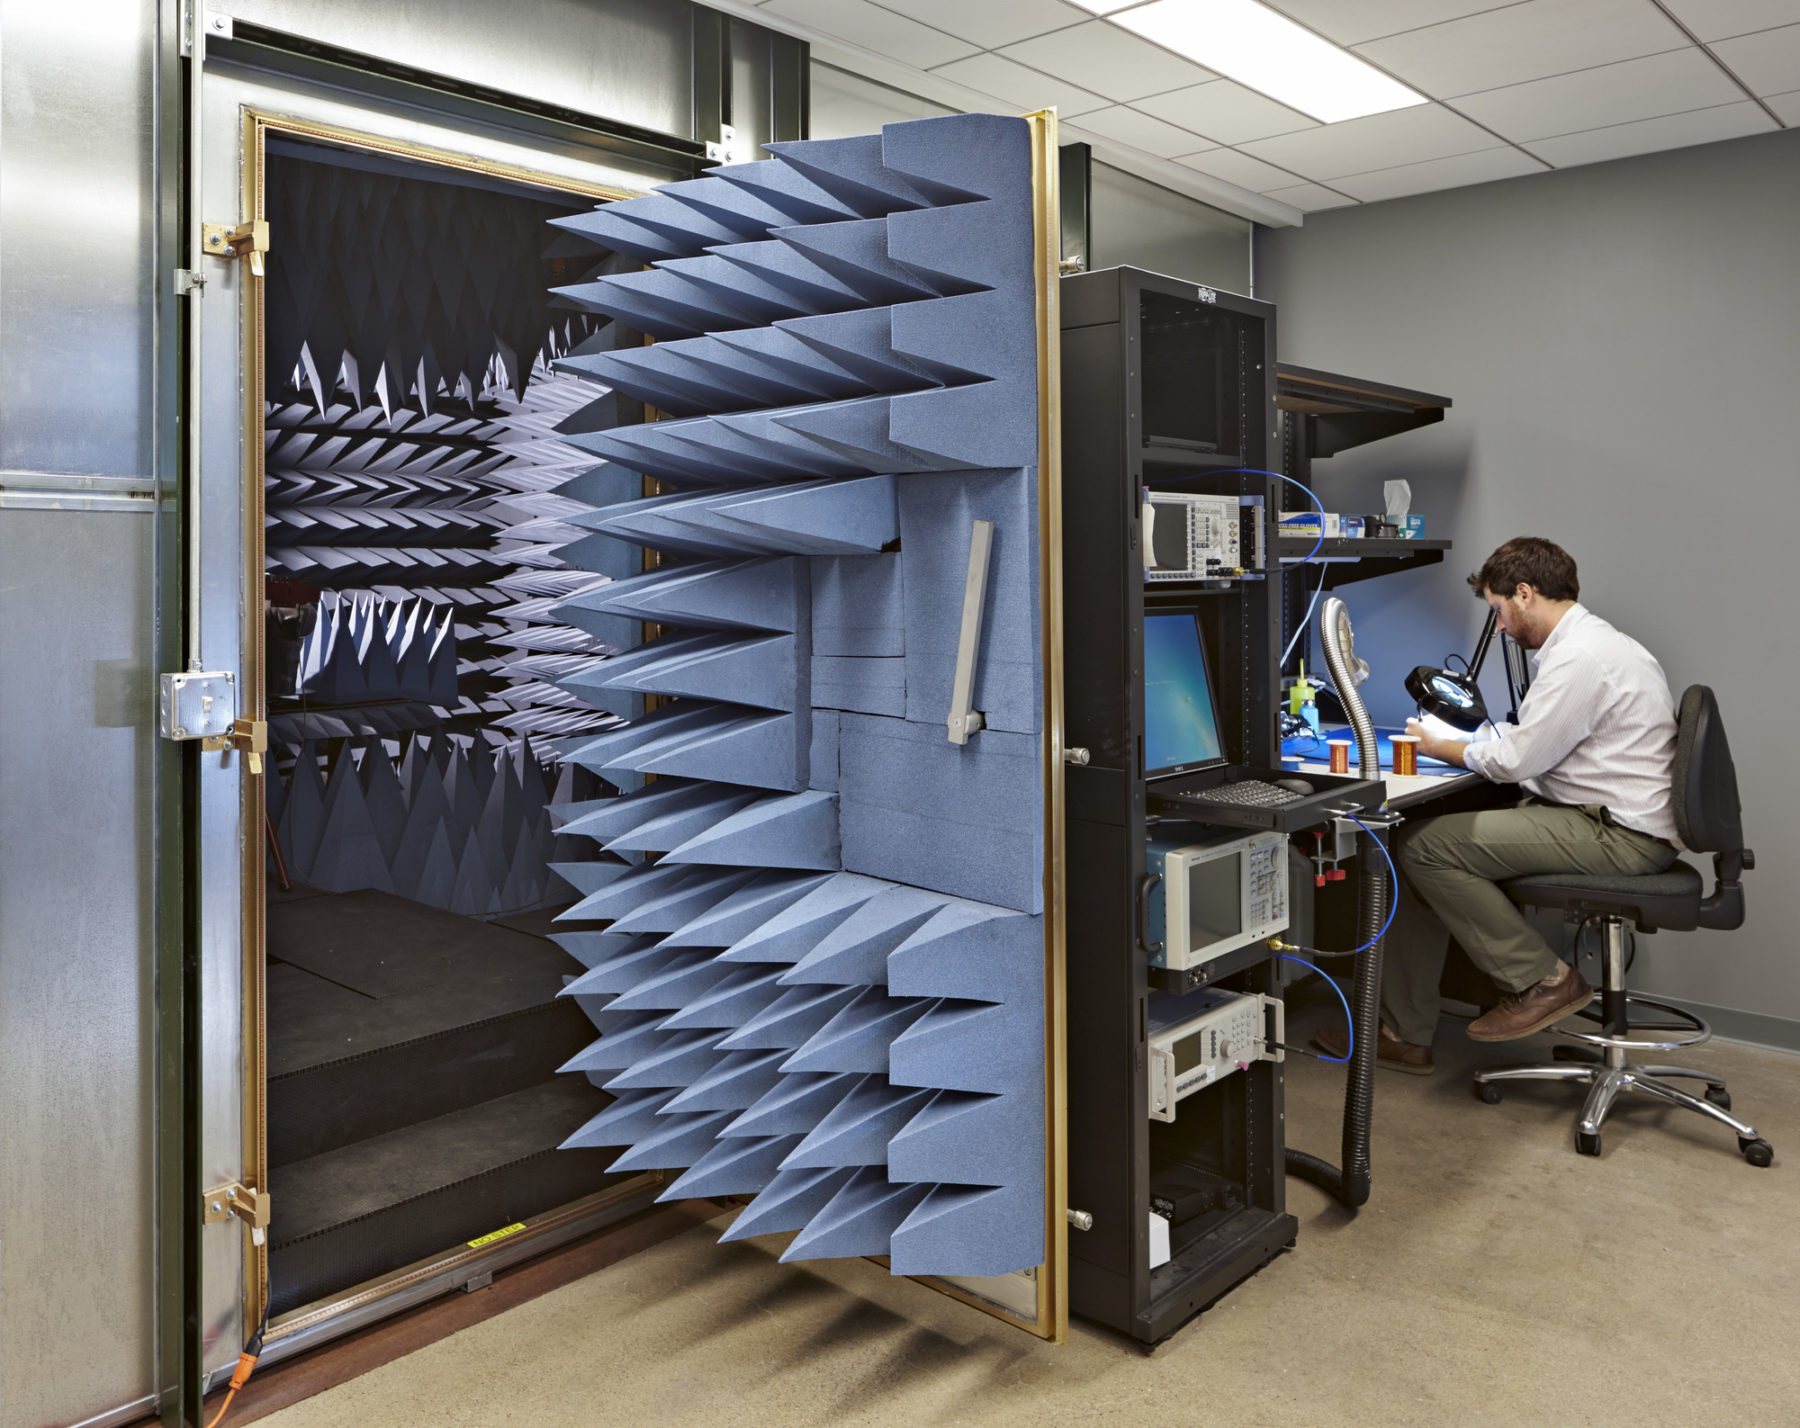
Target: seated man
pixel 1594 748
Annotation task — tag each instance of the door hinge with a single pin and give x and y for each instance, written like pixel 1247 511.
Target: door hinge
pixel 250 737
pixel 188 282
pixel 249 1205
pixel 246 240
pixel 197 704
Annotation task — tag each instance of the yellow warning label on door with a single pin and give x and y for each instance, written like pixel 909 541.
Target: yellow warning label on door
pixel 497 1235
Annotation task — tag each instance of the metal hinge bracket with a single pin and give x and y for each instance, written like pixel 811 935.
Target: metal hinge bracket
pixel 246 240
pixel 188 282
pixel 249 737
pixel 196 704
pixel 249 1205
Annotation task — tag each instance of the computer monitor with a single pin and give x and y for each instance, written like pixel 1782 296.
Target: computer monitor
pixel 1181 718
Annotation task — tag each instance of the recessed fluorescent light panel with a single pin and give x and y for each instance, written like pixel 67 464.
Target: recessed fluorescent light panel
pixel 1269 53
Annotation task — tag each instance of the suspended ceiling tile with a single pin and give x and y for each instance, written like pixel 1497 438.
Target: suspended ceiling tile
pixel 1127 126
pixel 1310 197
pixel 1523 42
pixel 1380 141
pixel 1436 174
pixel 1768 62
pixel 1107 60
pixel 1612 94
pixel 1350 22
pixel 1226 112
pixel 1240 169
pixel 1670 131
pixel 1024 88
pixel 1787 106
pixel 1721 19
pixel 991 23
pixel 893 36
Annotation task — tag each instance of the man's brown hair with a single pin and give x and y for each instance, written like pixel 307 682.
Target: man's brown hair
pixel 1528 560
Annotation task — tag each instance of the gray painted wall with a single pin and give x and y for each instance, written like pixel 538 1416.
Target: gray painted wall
pixel 1622 342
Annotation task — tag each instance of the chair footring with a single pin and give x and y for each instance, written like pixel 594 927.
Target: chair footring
pixel 1693 1029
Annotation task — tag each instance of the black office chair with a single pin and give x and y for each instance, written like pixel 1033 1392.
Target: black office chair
pixel 1707 817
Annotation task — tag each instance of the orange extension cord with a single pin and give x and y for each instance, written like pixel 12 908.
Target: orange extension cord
pixel 240 1376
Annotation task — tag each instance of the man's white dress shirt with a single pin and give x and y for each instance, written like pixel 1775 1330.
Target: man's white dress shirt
pixel 1596 726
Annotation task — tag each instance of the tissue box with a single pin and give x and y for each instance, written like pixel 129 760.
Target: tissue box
pixel 1311 524
pixel 1411 527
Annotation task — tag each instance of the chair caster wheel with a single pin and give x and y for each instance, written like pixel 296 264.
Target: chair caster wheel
pixel 1758 1152
pixel 1586 1144
pixel 1488 1091
pixel 1719 1096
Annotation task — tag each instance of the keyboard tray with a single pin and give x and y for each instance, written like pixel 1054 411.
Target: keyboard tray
pixel 1332 794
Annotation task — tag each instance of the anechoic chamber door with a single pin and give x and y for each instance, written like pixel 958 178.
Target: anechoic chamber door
pixel 242 110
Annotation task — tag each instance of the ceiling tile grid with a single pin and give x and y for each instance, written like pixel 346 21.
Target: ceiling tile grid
pixel 1508 87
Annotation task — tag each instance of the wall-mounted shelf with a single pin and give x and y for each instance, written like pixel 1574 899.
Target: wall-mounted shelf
pixel 1341 412
pixel 1357 559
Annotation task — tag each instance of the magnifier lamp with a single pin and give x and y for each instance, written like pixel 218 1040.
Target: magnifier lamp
pixel 1451 695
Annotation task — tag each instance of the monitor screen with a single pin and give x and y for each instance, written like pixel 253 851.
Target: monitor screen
pixel 1181 722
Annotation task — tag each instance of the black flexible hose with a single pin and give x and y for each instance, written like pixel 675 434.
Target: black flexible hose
pixel 1350 1185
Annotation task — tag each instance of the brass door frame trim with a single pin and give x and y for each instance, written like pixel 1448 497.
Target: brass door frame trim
pixel 257 125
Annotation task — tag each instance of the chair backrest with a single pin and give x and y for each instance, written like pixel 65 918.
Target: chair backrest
pixel 1707 812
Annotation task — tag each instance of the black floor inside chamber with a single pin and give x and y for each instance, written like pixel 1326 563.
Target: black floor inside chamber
pixel 413 1097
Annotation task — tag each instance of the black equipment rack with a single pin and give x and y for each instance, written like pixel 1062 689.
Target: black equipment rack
pixel 1165 384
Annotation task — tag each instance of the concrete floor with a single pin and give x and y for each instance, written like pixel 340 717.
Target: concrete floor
pixel 1494 1278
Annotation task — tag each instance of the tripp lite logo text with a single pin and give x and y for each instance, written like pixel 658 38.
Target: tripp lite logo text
pixel 1206 295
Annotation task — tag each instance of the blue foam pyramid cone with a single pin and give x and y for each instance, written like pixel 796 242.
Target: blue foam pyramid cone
pixel 681 1060
pixel 790 1020
pixel 623 894
pixel 591 949
pixel 795 930
pixel 616 1050
pixel 855 952
pixel 638 959
pixel 856 517
pixel 744 911
pixel 762 750
pixel 588 878
pixel 739 994
pixel 732 1167
pixel 797 830
pixel 860 1220
pixel 784 187
pixel 605 818
pixel 960 1229
pixel 737 1081
pixel 627 1119
pixel 674 983
pixel 760 671
pixel 676 827
pixel 972 1140
pixel 795 1103
pixel 788 1202
pixel 676 1144
pixel 971 950
pixel 856 254
pixel 857 1130
pixel 681 903
pixel 972 1047
pixel 858 1037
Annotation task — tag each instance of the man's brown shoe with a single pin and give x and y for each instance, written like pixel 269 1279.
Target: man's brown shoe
pixel 1521 1013
pixel 1390 1051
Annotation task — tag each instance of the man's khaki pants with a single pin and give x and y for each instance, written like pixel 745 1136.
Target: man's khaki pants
pixel 1449 871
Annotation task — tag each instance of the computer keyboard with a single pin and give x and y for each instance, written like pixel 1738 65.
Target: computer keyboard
pixel 1245 793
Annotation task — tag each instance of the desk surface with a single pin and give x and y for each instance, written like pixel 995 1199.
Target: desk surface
pixel 1433 781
